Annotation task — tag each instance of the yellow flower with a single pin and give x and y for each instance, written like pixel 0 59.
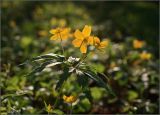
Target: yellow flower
pixel 98 44
pixel 138 44
pixel 145 56
pixel 60 33
pixel 69 99
pixel 82 39
pixel 49 108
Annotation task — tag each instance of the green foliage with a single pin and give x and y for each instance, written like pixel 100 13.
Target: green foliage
pixel 25 86
pixel 68 67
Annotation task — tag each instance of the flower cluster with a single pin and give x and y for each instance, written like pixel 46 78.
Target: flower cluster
pixel 82 39
pixel 137 44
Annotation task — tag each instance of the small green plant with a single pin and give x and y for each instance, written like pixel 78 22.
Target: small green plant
pixel 71 65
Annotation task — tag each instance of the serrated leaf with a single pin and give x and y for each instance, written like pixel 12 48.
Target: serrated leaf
pixel 44 65
pixel 53 64
pixel 24 63
pixel 91 75
pixel 82 79
pixel 103 76
pixel 96 78
pixel 48 56
pixel 63 78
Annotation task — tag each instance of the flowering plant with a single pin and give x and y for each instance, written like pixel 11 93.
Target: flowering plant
pixel 70 65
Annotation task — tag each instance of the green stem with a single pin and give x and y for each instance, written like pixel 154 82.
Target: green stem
pixel 61 44
pixel 62 48
pixel 58 96
pixel 71 108
pixel 81 60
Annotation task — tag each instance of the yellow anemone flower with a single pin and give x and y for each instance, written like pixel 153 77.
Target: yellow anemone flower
pixel 82 39
pixel 60 33
pixel 138 44
pixel 69 99
pixel 145 56
pixel 98 44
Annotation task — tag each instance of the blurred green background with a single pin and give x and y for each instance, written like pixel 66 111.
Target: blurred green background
pixel 25 34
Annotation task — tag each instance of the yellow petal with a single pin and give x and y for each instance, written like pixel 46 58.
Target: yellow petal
pixel 64 97
pixel 64 36
pixel 103 44
pixel 53 31
pixel 96 40
pixel 90 40
pixel 55 37
pixel 145 56
pixel 78 34
pixel 65 31
pixel 77 42
pixel 86 31
pixel 83 47
pixel 138 44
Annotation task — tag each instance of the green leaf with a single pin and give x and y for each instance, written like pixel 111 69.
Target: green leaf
pixel 53 64
pixel 104 77
pixel 9 106
pixel 97 93
pixel 46 57
pixel 88 94
pixel 98 67
pixel 45 104
pixel 58 112
pixel 3 110
pixel 82 79
pixel 44 65
pixel 91 75
pixel 20 93
pixel 132 95
pixel 63 78
pixel 99 80
pixel 49 56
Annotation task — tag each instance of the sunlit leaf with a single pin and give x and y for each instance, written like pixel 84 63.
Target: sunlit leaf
pixel 48 56
pixel 44 65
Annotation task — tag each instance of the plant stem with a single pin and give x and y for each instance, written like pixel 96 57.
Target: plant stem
pixel 61 44
pixel 58 96
pixel 81 60
pixel 62 47
pixel 71 108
